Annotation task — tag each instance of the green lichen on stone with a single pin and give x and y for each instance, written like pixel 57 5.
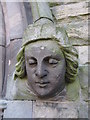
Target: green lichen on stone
pixel 22 92
pixel 73 90
pixel 53 4
pixel 83 76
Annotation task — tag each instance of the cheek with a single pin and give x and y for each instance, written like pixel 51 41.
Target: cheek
pixel 29 70
pixel 30 75
pixel 59 69
pixel 57 73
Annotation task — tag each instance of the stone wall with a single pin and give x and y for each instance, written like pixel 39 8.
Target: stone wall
pixel 73 16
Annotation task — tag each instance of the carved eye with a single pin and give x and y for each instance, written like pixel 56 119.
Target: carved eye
pixel 32 62
pixel 53 61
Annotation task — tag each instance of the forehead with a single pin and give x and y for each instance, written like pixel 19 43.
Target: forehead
pixel 49 45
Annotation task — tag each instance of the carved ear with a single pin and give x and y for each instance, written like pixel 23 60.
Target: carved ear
pixel 20 65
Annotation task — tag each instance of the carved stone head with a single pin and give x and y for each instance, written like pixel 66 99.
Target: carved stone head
pixel 47 62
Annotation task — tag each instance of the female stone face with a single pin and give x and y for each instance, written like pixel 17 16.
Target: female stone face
pixel 45 66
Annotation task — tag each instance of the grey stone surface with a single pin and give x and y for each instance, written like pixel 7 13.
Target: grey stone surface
pixel 63 2
pixel 70 10
pixel 15 19
pixel 18 109
pixel 74 18
pixel 23 13
pixel 2 48
pixel 0 114
pixel 84 78
pixel 28 13
pixel 15 16
pixel 54 110
pixel 77 30
pixel 2 27
pixel 40 10
pixel 14 48
pixel 83 54
pixel 2 59
pixel 6 68
pixel 83 110
pixel 89 110
pixel 6 23
pixel 3 104
pixel 11 54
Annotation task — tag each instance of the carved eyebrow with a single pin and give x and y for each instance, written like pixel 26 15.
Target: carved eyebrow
pixel 52 57
pixel 57 57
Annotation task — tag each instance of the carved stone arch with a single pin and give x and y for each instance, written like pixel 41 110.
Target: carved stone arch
pixel 17 16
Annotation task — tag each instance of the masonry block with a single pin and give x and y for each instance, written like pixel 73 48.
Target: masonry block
pixel 74 18
pixel 18 109
pixel 70 10
pixel 15 20
pixel 54 110
pixel 83 52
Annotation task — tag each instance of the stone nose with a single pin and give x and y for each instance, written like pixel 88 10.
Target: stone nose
pixel 41 71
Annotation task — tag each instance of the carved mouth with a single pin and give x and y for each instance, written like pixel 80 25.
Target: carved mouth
pixel 42 84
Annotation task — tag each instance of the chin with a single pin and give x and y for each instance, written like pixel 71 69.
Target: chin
pixel 42 95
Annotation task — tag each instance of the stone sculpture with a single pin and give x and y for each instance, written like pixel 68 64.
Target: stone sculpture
pixel 46 60
pixel 46 71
